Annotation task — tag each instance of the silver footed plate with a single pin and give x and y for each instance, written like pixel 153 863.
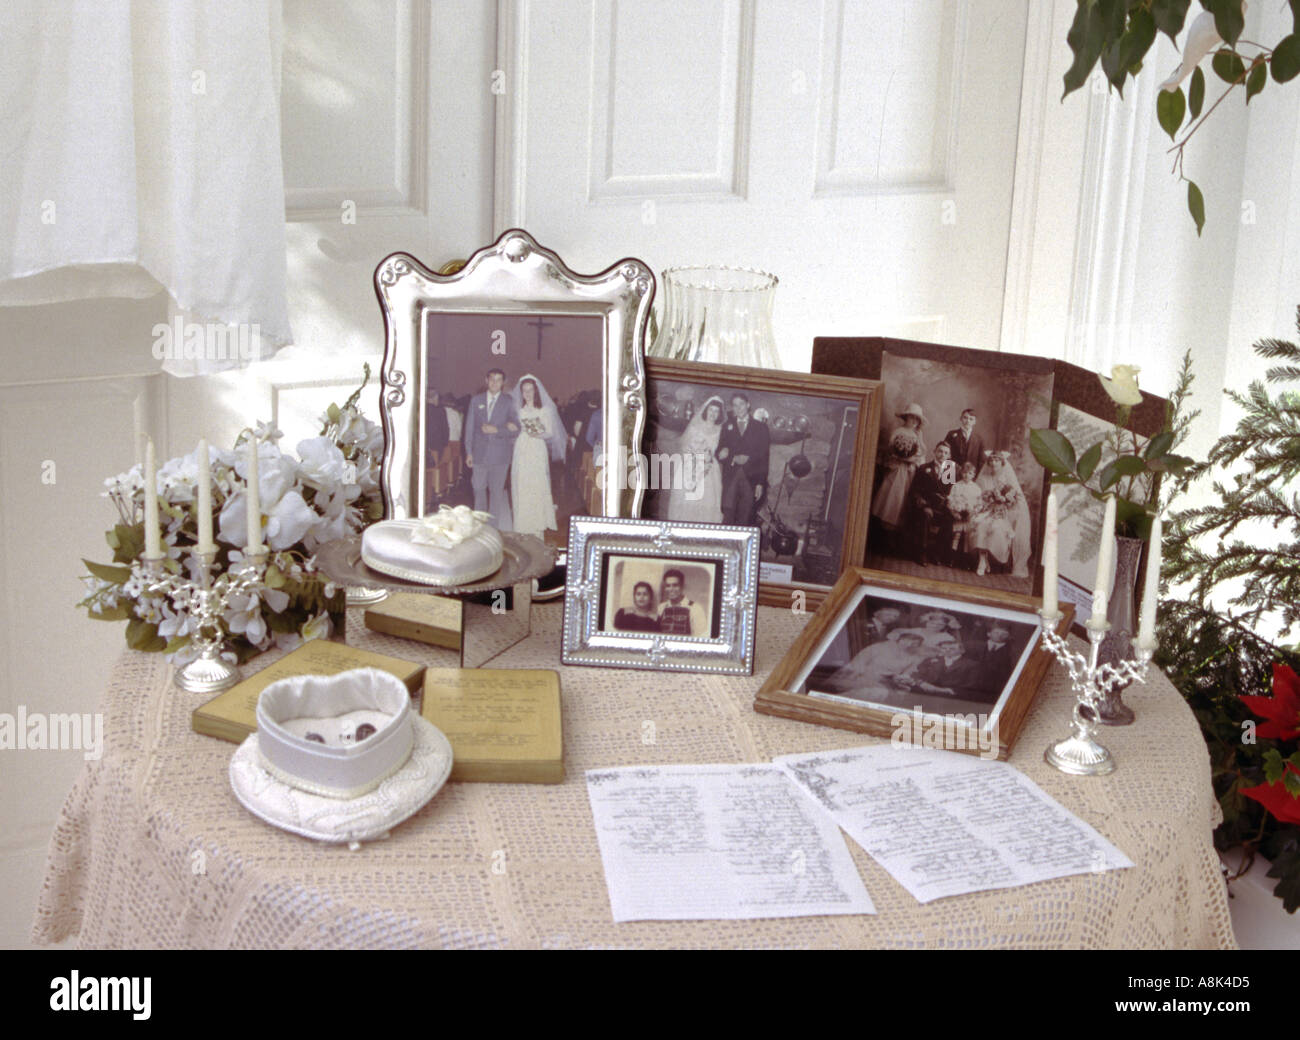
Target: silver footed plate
pixel 523 558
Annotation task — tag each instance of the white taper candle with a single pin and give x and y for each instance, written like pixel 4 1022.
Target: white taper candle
pixel 152 532
pixel 253 502
pixel 1105 560
pixel 1151 591
pixel 137 430
pixel 204 505
pixel 1050 538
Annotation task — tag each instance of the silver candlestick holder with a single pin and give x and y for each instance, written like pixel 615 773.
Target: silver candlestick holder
pixel 1079 754
pixel 205 600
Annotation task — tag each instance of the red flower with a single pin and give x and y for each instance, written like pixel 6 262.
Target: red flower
pixel 1282 709
pixel 1275 797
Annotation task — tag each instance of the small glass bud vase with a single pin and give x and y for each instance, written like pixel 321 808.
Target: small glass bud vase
pixel 1121 612
pixel 718 314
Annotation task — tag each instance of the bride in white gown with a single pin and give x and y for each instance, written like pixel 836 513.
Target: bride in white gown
pixel 541 439
pixel 700 496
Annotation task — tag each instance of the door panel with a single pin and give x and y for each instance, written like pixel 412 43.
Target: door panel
pixel 862 151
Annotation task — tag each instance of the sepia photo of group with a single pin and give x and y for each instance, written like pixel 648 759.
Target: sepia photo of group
pixel 944 660
pixel 958 505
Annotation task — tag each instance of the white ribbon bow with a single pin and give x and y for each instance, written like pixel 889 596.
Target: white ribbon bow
pixel 449 526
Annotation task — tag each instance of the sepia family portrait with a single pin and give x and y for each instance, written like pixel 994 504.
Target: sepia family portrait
pixel 958 493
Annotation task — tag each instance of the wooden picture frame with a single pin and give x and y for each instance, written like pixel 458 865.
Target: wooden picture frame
pixel 1010 394
pixel 821 445
pixel 446 332
pixel 861 693
pixel 716 568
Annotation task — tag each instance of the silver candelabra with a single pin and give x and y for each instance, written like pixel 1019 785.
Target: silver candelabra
pixel 1079 753
pixel 205 600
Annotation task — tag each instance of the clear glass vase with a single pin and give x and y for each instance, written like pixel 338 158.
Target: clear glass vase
pixel 718 314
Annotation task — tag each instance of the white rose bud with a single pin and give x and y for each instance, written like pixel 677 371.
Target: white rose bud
pixel 1122 386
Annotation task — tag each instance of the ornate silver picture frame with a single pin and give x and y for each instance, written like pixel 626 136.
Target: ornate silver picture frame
pixel 661 595
pixel 445 334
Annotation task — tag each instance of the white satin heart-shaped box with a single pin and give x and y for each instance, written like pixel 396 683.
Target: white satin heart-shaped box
pixel 448 548
pixel 335 735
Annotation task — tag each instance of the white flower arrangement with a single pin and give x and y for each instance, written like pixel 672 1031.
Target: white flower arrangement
pixel 330 490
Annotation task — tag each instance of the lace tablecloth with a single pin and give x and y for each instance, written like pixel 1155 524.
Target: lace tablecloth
pixel 152 849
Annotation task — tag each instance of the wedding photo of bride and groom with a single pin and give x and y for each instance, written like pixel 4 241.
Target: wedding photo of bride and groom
pixel 957 490
pixel 732 454
pixel 902 654
pixel 509 420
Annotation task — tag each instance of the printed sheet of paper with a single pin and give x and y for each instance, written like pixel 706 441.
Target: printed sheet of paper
pixel 944 824
pixel 707 842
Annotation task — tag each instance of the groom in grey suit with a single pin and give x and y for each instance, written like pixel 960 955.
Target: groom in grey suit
pixel 491 426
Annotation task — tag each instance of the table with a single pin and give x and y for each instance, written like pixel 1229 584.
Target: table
pixel 153 850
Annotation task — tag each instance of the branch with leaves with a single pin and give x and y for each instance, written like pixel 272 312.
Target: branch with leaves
pixel 1119 33
pixel 1232 573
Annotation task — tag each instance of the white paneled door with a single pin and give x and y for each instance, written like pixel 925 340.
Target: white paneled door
pixel 862 150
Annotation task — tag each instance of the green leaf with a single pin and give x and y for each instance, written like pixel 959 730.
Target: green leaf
pixel 112 539
pixel 1286 58
pixel 1256 80
pixel 1135 43
pixel 130 542
pixel 1196 206
pixel 1159 444
pixel 1170 106
pixel 1112 65
pixel 143 635
pixel 1291 781
pixel 1129 465
pixel 1229 19
pixel 1228 66
pixel 1273 765
pixel 1196 92
pixel 1169 16
pixel 1086 38
pixel 1108 477
pixel 1088 461
pixel 1176 463
pixel 1053 450
pixel 179 643
pixel 274 577
pixel 102 571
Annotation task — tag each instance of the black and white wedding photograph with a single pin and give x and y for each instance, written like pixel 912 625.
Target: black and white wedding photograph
pixel 907 651
pixel 958 495
pixel 660 596
pixel 512 417
pixel 731 449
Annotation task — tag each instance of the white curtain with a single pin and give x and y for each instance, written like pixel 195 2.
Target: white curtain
pixel 139 151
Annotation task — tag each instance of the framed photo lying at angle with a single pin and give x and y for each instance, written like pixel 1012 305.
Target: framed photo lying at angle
pixel 661 595
pixel 787 452
pixel 918 661
pixel 507 383
pixel 1086 415
pixel 957 496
